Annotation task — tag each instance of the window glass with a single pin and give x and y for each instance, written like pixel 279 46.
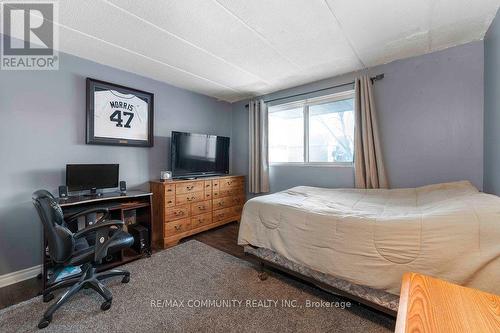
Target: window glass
pixel 331 131
pixel 286 135
pixel 318 130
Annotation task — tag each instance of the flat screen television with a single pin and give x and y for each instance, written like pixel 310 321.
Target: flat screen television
pixel 80 177
pixel 198 155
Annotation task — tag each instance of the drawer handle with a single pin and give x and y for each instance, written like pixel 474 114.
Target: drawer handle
pixel 221 203
pixel 191 198
pixel 179 212
pixel 201 207
pixel 215 184
pixel 200 221
pixel 177 227
pixel 169 190
pixel 169 201
pixel 189 188
pixel 208 185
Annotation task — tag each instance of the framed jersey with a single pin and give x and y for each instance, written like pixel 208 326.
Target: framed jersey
pixel 118 115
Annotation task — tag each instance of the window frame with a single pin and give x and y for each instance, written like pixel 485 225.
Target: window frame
pixel 305 104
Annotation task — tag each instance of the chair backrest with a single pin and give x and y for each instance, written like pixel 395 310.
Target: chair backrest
pixel 60 239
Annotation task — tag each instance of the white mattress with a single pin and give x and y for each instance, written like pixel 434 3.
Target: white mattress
pixel 371 237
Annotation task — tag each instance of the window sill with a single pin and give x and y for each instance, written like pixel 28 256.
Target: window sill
pixel 313 164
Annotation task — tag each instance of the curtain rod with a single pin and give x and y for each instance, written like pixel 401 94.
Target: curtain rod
pixel 373 79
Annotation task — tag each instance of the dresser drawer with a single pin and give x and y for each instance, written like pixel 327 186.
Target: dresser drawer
pixel 207 185
pixel 188 187
pixel 170 201
pixel 215 185
pixel 169 189
pixel 201 220
pixel 228 193
pixel 228 202
pixel 176 213
pixel 217 194
pixel 223 214
pixel 229 183
pixel 189 198
pixel 201 207
pixel 220 203
pixel 177 227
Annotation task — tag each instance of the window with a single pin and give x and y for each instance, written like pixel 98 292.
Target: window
pixel 313 131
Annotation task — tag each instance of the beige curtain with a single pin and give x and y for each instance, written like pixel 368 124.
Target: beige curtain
pixel 368 162
pixel 258 145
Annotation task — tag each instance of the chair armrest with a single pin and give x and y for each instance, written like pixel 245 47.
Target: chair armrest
pixel 102 237
pixel 105 211
pixel 97 226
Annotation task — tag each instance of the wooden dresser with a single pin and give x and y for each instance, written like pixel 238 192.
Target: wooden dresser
pixel 430 305
pixel 182 208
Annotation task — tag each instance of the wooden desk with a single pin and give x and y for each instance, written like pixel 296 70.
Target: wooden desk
pixel 431 305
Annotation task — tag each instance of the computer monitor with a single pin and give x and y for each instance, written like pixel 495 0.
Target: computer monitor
pixel 80 177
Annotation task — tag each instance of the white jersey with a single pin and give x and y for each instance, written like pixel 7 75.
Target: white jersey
pixel 117 115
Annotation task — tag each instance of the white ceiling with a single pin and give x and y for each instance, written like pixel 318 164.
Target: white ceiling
pixel 233 49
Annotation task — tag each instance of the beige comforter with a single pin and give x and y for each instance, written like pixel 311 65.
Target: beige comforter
pixel 371 237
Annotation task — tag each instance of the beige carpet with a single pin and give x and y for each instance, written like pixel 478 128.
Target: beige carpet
pixel 190 281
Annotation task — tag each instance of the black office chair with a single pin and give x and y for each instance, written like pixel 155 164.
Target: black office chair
pixel 86 247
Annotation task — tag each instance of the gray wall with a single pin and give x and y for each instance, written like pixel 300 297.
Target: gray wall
pixel 492 108
pixel 430 111
pixel 42 127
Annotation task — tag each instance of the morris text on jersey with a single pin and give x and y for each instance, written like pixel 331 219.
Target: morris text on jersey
pixel 122 105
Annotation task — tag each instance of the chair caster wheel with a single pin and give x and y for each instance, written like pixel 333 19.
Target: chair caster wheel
pixel 126 279
pixel 106 305
pixel 263 276
pixel 48 297
pixel 44 322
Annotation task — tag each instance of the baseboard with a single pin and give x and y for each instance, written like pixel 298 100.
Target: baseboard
pixel 18 276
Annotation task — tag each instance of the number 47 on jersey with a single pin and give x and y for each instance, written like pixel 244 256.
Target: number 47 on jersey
pixel 118 119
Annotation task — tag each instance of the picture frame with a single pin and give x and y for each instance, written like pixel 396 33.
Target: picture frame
pixel 118 115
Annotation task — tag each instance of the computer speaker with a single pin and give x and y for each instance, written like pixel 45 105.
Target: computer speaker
pixel 63 192
pixel 123 186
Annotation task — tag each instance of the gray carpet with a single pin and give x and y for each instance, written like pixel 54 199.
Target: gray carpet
pixel 194 272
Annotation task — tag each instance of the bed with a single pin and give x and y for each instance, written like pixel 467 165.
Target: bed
pixel 360 242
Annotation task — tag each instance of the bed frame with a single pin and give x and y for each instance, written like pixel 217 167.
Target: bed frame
pixel 373 298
